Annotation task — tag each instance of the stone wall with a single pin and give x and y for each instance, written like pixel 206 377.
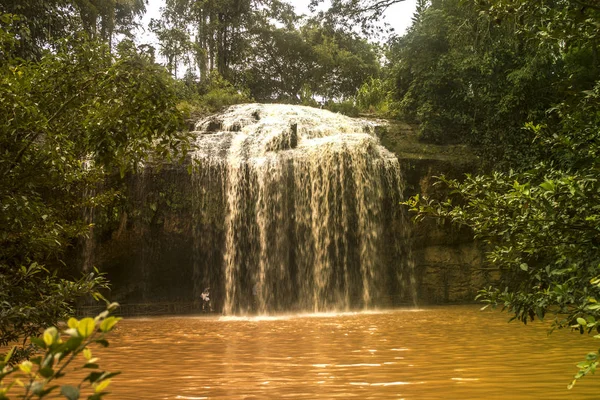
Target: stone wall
pixel 449 265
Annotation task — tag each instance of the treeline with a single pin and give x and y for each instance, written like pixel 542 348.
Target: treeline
pixel 76 105
pixel 520 82
pixel 263 51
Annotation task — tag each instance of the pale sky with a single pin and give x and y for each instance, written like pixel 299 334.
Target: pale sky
pixel 398 16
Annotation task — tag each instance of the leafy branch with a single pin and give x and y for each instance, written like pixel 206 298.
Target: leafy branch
pixel 62 348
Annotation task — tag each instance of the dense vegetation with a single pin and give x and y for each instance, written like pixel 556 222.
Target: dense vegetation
pixel 519 81
pixel 73 111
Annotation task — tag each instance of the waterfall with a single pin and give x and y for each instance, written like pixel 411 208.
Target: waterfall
pixel 302 205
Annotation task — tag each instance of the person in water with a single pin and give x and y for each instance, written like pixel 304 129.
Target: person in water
pixel 206 300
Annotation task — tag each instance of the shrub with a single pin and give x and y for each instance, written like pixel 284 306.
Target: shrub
pixel 36 377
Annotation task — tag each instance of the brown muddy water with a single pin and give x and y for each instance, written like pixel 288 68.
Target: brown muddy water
pixel 453 352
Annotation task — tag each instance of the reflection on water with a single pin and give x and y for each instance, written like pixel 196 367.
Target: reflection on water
pixel 434 353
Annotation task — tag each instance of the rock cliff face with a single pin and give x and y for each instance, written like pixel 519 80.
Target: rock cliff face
pixel 449 266
pixel 289 208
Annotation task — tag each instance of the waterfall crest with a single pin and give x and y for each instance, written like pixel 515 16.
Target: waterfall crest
pixel 304 205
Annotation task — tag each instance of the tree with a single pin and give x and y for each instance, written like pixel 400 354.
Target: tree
pixel 70 119
pixel 541 223
pixel 349 13
pixel 467 77
pixel 105 18
pixel 42 23
pixel 219 32
pixel 265 47
pixel 287 62
pixel 174 43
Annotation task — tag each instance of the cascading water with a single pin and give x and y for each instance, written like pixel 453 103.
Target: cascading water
pixel 303 204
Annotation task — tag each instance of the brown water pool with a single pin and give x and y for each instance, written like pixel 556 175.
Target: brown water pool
pixel 454 352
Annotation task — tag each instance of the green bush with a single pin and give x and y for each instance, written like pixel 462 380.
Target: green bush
pixel 209 94
pixel 374 97
pixel 346 107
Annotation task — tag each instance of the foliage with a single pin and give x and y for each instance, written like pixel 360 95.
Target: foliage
pixel 467 77
pixel 289 63
pixel 542 225
pixel 42 23
pixel 265 48
pixel 70 118
pixel 215 35
pixel 216 93
pixel 540 219
pixel 374 96
pixel 346 107
pixel 37 376
pixel 173 41
pixel 32 297
pixel 39 23
pixel 201 98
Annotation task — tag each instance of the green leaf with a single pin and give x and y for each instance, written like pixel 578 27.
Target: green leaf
pixel 96 376
pixel 581 321
pixel 548 186
pixel 38 342
pixel 9 354
pixel 70 345
pixel 46 372
pixel 70 392
pixel 48 390
pixel 524 267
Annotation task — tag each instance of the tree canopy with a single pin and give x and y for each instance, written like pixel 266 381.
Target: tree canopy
pixel 70 118
pixel 264 47
pixel 537 210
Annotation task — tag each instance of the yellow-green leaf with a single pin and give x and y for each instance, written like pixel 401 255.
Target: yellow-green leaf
pixel 109 323
pixel 26 366
pixel 102 385
pixel 73 323
pixel 50 336
pixel 86 327
pixel 9 354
